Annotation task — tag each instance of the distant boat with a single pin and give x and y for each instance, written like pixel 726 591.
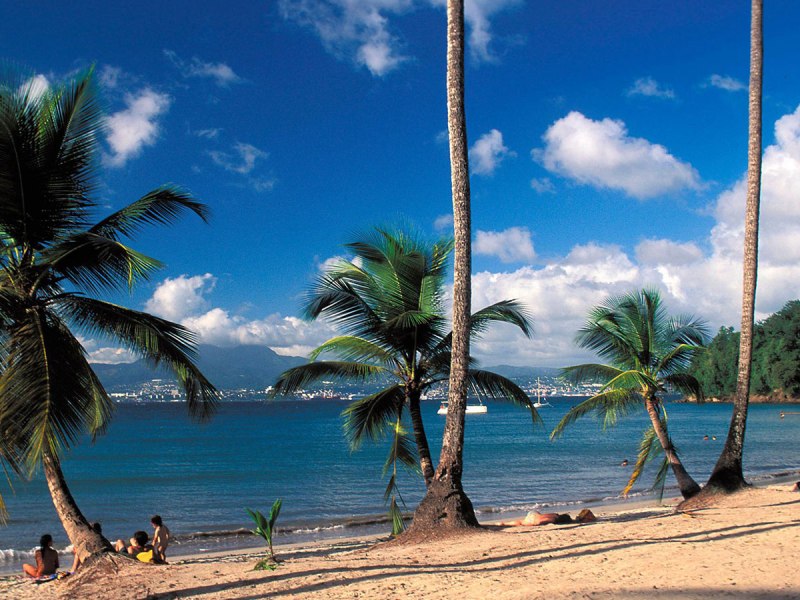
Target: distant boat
pixel 472 409
pixel 541 401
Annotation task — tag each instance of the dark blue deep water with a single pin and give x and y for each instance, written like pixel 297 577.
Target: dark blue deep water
pixel 200 478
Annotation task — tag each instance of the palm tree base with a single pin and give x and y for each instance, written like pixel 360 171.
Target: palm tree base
pixel 445 507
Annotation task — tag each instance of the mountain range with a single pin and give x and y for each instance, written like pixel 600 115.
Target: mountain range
pixel 248 367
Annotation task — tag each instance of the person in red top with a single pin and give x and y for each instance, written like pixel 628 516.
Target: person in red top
pixel 46 559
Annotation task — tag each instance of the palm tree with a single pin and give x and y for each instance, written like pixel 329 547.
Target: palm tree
pixel 647 352
pixel 389 304
pixel 445 503
pixel 51 265
pixel 728 474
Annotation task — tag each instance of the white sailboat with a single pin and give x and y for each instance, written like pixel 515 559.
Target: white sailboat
pixel 541 401
pixel 472 409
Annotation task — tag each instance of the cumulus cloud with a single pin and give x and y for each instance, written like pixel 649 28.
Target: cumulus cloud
pixel 361 31
pixel 704 279
pixel 109 76
pixel 178 298
pixel 136 126
pixel 729 84
pixel 222 74
pixel 511 245
pixel 488 152
pixel 602 154
pixel 647 86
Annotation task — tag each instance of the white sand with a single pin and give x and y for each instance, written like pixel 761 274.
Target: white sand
pixel 744 547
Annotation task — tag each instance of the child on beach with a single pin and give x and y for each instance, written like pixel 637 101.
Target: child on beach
pixel 161 539
pixel 46 559
pixel 138 546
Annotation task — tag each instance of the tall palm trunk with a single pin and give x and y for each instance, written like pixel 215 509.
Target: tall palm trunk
pixel 423 450
pixel 445 502
pixel 85 540
pixel 728 474
pixel 687 486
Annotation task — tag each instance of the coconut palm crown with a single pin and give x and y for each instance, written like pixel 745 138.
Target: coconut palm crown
pixel 388 303
pixel 53 262
pixel 647 352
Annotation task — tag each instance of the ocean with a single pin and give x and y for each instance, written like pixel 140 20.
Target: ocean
pixel 201 477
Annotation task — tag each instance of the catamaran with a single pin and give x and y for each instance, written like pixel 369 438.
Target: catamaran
pixel 541 401
pixel 472 409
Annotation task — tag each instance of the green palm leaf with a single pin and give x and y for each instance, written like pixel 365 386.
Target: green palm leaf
pixel 609 407
pixel 369 417
pixel 486 383
pixel 297 378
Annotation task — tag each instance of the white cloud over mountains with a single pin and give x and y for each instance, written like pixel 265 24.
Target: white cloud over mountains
pixel 700 277
pixel 361 30
pixel 602 154
pixel 136 126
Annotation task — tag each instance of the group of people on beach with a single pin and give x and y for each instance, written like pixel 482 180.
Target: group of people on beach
pixel 140 548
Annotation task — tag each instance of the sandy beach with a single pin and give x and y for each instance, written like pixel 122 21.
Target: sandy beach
pixel 743 547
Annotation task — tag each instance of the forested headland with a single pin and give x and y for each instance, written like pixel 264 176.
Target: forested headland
pixel 776 360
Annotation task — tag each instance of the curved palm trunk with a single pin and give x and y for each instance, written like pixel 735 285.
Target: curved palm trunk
pixel 728 474
pixel 687 486
pixel 79 531
pixel 423 450
pixel 445 503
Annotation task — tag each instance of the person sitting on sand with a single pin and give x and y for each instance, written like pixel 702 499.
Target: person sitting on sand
pixel 97 528
pixel 161 539
pixel 46 559
pixel 138 544
pixel 796 487
pixel 535 518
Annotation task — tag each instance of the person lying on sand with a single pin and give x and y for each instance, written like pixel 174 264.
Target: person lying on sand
pixel 138 545
pixel 796 487
pixel 46 559
pixel 535 518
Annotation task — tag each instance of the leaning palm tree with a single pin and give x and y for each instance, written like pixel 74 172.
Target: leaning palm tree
pixel 728 474
pixel 388 301
pixel 52 264
pixel 648 352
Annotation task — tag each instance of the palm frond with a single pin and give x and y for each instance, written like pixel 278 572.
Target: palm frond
pixel 355 349
pixel 506 311
pixel 156 340
pixel 589 373
pixel 609 405
pixel 486 383
pixel 647 447
pixel 369 417
pixel 161 206
pixel 297 378
pixel 95 264
pixel 686 384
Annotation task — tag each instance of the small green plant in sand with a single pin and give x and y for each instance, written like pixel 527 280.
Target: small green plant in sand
pixel 265 527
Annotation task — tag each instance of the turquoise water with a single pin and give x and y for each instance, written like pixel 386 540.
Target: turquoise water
pixel 200 478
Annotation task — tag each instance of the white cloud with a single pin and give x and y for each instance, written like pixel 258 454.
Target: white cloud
pixel 222 74
pixel 211 133
pixel 443 222
pixel 35 87
pixel 729 84
pixel 136 126
pixel 602 154
pixel 488 152
pixel 360 30
pixel 543 185
pixel 511 245
pixel 647 86
pixel 355 30
pixel 244 160
pixel 178 298
pixel 109 76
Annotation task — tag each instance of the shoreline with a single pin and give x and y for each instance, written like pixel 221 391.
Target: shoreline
pixel 740 547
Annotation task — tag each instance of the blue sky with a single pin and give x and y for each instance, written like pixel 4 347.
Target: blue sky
pixel 608 149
